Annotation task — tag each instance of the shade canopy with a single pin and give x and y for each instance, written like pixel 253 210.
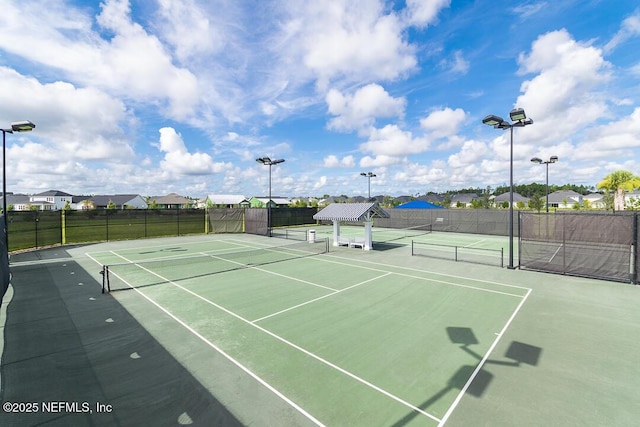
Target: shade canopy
pixel 350 212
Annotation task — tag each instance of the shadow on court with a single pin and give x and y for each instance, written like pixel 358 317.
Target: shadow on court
pixel 73 356
pixel 517 353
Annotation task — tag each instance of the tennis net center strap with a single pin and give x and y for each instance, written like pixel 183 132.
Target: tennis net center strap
pixel 148 272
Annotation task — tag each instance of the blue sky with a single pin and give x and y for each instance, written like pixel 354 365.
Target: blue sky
pixel 182 96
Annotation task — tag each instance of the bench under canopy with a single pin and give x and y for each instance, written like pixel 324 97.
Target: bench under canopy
pixel 352 212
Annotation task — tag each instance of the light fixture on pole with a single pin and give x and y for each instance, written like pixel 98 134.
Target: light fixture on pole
pixel 519 119
pixel 267 161
pixel 538 160
pixel 23 126
pixel 368 175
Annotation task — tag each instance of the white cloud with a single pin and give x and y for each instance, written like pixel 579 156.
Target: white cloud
pixel 562 97
pixel 332 161
pixel 455 64
pixel 443 123
pixel 352 41
pixel 424 12
pixel 188 28
pixel 379 161
pixel 393 141
pixel 133 63
pixel 422 175
pixel 471 153
pixel 320 183
pixel 630 28
pixel 360 110
pixel 179 161
pixel 525 11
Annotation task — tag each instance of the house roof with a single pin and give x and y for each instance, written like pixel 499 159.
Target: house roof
pixel 418 204
pixel 504 197
pixel 560 195
pixel 170 199
pixel 52 193
pixel 226 199
pixel 463 197
pixel 276 200
pixel 351 212
pixel 16 199
pixel 118 199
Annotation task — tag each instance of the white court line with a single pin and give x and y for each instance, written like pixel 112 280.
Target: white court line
pixel 476 243
pixel 228 357
pixel 428 279
pixel 295 346
pixel 320 298
pixel 482 363
pixel 377 263
pixel 555 253
pixel 194 242
pixel 421 271
pixel 272 272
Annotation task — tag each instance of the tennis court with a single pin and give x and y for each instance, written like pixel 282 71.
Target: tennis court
pixel 285 333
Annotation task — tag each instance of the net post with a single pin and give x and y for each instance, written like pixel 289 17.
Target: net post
pixel 412 248
pixel 502 258
pixel 102 273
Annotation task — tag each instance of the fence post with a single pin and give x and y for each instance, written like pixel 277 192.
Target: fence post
pixel 63 225
pixel 634 250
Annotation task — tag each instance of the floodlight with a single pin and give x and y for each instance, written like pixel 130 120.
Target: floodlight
pixel 517 114
pixel 23 126
pixel 492 120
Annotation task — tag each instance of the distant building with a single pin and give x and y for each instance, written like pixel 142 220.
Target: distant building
pixel 261 202
pixel 226 201
pixel 463 199
pixel 564 199
pixel 504 197
pixel 170 201
pixel 19 202
pixel 51 200
pixel 121 201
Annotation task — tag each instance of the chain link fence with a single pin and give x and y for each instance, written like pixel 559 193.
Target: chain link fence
pixel 602 246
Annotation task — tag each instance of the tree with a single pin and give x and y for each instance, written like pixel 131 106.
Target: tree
pixel 536 202
pixel 618 182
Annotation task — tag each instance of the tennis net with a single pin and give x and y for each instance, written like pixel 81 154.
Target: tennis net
pixel 149 272
pixel 392 234
pixel 458 253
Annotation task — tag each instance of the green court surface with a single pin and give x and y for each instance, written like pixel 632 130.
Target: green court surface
pixel 358 338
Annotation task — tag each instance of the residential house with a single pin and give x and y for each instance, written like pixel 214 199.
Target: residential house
pixel 632 199
pixel 596 200
pixel 121 201
pixel 463 199
pixel 564 199
pixel 20 202
pixel 505 197
pixel 261 202
pixel 436 199
pixel 226 201
pixel 51 200
pixel 170 201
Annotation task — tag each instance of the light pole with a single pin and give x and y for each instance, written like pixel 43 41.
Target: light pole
pixel 23 126
pixel 538 160
pixel 519 119
pixel 267 161
pixel 369 175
